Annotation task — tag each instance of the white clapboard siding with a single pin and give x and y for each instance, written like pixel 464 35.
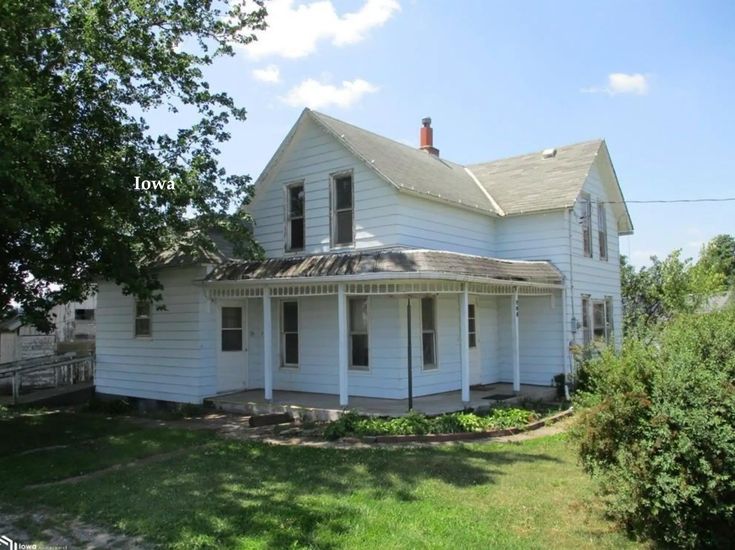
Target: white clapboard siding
pixel 171 365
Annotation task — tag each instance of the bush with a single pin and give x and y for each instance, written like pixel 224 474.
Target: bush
pixel 657 428
pixel 352 424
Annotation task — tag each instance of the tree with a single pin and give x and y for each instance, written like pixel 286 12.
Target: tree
pixel 719 255
pixel 77 76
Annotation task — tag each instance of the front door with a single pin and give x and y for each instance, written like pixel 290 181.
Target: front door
pixel 232 364
pixel 474 336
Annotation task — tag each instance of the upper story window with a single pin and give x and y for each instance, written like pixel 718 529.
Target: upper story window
pixel 602 229
pixel 295 217
pixel 586 221
pixel 343 232
pixel 142 318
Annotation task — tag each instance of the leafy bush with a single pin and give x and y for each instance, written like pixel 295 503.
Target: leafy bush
pixel 657 429
pixel 415 423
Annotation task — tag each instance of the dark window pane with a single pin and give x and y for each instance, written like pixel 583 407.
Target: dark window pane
pixel 427 313
pixel 344 227
pixel 297 234
pixel 142 327
pixel 291 349
pixel 290 316
pixel 343 189
pixel 358 315
pixel 232 340
pixel 471 310
pixel 428 347
pixel 84 314
pixel 471 323
pixel 142 309
pixel 231 317
pixel 296 200
pixel 473 340
pixel 360 350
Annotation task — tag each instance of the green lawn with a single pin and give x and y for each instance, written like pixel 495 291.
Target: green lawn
pixel 230 494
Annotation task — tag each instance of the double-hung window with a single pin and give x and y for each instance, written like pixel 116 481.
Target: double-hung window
pixel 290 334
pixel 295 217
pixel 359 355
pixel 586 221
pixel 231 329
pixel 343 232
pixel 428 332
pixel 586 321
pixel 142 319
pixel 471 326
pixel 597 320
pixel 602 229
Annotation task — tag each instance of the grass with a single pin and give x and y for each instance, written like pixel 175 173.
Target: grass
pixel 232 494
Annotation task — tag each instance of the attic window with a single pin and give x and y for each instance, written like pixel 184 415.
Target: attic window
pixel 342 210
pixel 586 223
pixel 295 217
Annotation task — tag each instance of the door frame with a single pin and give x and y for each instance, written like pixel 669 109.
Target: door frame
pixel 225 357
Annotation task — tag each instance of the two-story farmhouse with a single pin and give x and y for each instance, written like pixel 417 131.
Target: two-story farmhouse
pixel 389 269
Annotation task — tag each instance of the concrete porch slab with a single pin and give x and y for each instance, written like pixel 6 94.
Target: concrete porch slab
pixel 325 407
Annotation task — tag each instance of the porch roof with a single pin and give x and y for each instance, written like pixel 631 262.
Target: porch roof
pixel 384 262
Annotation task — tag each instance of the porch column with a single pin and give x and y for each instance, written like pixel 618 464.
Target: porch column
pixel 516 343
pixel 342 344
pixel 464 344
pixel 267 345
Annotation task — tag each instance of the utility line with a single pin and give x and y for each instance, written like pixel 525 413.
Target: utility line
pixel 671 201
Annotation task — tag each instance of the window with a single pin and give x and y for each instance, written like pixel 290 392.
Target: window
pixel 231 329
pixel 599 330
pixel 602 229
pixel 609 318
pixel 290 334
pixel 586 221
pixel 342 211
pixel 586 324
pixel 359 333
pixel 472 325
pixel 142 318
pixel 295 217
pixel 428 332
pixel 84 315
pixel 597 320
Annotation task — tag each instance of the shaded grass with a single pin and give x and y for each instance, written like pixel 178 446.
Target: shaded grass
pixel 233 494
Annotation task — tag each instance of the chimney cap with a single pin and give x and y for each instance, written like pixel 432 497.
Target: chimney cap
pixel 426 121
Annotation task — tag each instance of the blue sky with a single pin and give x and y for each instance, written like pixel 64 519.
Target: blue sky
pixel 655 79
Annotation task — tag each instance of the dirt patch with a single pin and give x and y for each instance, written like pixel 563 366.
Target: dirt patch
pixel 52 529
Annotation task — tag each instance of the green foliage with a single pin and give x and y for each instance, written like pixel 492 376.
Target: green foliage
pixel 77 76
pixel 414 423
pixel 718 255
pixel 657 428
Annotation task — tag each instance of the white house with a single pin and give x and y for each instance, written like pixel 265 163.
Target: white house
pixel 500 265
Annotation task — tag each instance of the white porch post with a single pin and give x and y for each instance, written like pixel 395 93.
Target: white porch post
pixel 516 342
pixel 267 345
pixel 464 344
pixel 342 344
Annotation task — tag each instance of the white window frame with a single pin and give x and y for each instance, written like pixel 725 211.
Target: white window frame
pixel 287 202
pixel 358 368
pixel 588 311
pixel 587 332
pixel 471 306
pixel 586 222
pixel 136 317
pixel 222 329
pixel 333 208
pixel 435 365
pixel 602 231
pixel 283 333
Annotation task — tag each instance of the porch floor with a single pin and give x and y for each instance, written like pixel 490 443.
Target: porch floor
pixel 322 406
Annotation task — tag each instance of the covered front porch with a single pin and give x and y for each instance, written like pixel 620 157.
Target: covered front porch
pixel 392 325
pixel 324 407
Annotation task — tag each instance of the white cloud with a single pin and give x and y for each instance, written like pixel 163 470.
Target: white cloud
pixel 270 74
pixel 314 94
pixel 294 31
pixel 622 83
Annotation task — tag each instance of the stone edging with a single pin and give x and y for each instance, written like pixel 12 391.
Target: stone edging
pixel 459 436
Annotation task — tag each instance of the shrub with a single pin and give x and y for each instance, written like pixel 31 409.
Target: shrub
pixel 656 427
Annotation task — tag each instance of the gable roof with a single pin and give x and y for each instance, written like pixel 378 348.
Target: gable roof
pixel 512 186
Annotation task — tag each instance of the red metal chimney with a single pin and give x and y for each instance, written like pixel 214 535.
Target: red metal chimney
pixel 427 137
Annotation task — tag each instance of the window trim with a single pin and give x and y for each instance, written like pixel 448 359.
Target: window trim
pixel 78 309
pixel 602 236
pixel 333 177
pixel 136 317
pixel 473 307
pixel 282 335
pixel 588 311
pixel 359 368
pixel 587 225
pixel 287 217
pixel 433 367
pixel 241 329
